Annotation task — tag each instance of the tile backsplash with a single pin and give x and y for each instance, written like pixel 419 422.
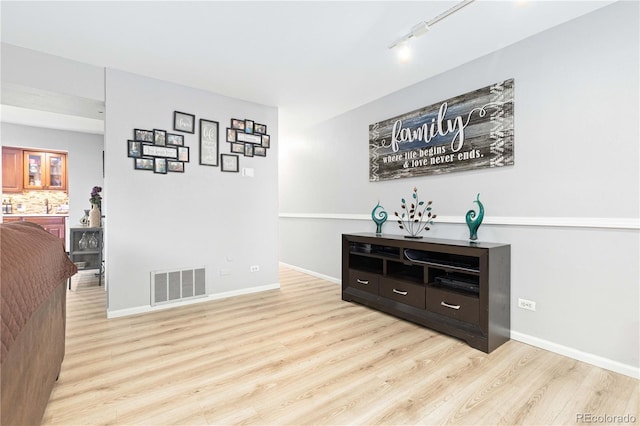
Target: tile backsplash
pixel 34 202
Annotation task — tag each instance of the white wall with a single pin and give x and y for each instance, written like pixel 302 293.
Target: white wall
pixel 84 159
pixel 202 217
pixel 576 161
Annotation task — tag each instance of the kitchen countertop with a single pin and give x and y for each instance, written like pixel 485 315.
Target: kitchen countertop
pixel 36 215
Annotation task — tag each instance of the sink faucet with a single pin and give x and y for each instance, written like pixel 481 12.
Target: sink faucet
pixel 46 205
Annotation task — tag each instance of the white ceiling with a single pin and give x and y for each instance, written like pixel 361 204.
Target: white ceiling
pixel 312 59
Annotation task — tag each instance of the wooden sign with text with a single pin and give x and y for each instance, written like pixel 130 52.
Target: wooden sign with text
pixel 470 131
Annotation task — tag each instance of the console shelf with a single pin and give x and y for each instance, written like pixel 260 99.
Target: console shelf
pixel 455 287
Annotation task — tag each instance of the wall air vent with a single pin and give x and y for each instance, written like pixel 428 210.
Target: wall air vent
pixel 173 286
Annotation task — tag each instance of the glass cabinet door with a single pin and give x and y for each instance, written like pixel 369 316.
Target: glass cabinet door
pixel 34 170
pixel 45 170
pixel 55 173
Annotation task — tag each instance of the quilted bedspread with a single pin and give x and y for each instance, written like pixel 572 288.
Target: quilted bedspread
pixel 32 264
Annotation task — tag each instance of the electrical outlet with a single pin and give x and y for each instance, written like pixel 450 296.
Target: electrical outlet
pixel 255 268
pixel 224 272
pixel 526 304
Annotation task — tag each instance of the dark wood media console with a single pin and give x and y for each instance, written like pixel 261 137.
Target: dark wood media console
pixel 455 287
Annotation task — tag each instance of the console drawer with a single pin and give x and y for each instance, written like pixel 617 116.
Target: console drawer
pixel 364 281
pixel 453 305
pixel 404 292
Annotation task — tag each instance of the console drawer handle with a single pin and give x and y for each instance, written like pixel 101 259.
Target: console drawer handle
pixel 402 293
pixel 365 282
pixel 445 304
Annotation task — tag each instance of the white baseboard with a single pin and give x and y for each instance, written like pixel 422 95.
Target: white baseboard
pixel 312 273
pixel 598 361
pixel 148 308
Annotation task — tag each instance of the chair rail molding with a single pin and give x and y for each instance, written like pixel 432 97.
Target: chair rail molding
pixel 562 222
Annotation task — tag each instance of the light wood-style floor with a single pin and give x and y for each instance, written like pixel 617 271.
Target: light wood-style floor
pixel 300 355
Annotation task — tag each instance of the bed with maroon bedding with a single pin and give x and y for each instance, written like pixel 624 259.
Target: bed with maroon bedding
pixel 33 270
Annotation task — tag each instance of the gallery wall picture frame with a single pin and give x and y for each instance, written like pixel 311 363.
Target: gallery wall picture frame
pixel 183 154
pixel 184 122
pixel 175 140
pixel 160 151
pixel 230 163
pixel 261 129
pixel 209 142
pixel 248 138
pixel 143 135
pixel 143 164
pixel 237 147
pixel 160 165
pixel 231 135
pixel 175 166
pixel 237 124
pixel 159 137
pixel 134 149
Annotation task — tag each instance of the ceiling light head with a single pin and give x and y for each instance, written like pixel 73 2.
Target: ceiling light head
pixel 404 53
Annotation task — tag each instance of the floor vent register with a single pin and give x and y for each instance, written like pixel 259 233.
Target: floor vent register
pixel 177 285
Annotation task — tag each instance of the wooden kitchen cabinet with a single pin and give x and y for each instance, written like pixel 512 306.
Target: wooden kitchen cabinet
pixel 7 219
pixel 54 225
pixel 11 169
pixel 45 170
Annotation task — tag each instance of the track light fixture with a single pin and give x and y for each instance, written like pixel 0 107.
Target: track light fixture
pixel 416 31
pixel 422 28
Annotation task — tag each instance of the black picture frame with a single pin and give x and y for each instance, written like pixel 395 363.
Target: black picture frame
pixel 237 124
pixel 237 147
pixel 184 122
pixel 159 137
pixel 266 141
pixel 260 129
pixel 175 140
pixel 231 134
pixel 160 165
pixel 134 149
pixel 142 135
pixel 183 154
pixel 175 166
pixel 248 150
pixel 143 163
pixel 229 163
pixel 248 126
pixel 259 151
pixel 209 143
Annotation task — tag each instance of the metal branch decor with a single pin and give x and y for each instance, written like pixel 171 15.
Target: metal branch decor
pixel 416 216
